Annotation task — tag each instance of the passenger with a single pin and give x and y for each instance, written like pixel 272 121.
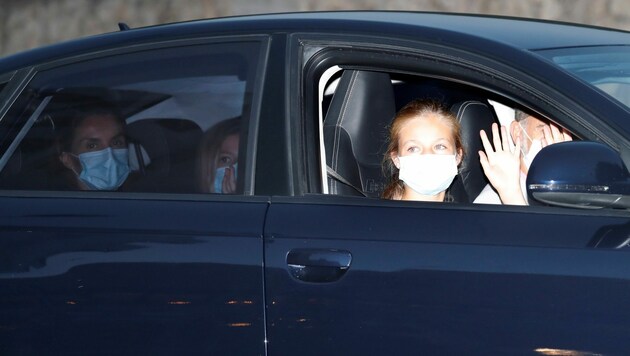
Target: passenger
pixel 93 151
pixel 424 151
pixel 218 157
pixel 505 166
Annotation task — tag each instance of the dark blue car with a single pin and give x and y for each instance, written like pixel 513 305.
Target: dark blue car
pixel 304 257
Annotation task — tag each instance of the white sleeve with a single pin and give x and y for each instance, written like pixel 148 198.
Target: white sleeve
pixel 488 196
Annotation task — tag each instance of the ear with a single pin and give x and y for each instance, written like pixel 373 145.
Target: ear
pixel 515 130
pixel 395 159
pixel 67 160
pixel 459 156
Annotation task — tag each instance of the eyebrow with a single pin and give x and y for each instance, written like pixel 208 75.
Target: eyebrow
pixel 439 139
pixel 89 139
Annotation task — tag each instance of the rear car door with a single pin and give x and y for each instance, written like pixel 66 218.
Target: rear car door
pixel 163 267
pixel 359 275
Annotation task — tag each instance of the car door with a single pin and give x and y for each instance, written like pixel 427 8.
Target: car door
pixel 358 275
pixel 346 275
pixel 164 269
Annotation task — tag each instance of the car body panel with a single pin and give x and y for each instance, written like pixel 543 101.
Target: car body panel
pixel 112 276
pixel 159 273
pixel 445 280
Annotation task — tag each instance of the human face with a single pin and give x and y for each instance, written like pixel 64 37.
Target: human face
pixel 228 152
pixel 534 128
pixel 94 133
pixel 425 135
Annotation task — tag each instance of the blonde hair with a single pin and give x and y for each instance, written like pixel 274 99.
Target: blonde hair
pixel 416 109
pixel 208 153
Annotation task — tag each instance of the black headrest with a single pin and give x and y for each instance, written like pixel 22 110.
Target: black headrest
pixel 355 130
pixel 172 147
pixel 473 116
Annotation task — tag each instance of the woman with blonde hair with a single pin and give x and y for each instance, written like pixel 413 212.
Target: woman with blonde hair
pixel 218 157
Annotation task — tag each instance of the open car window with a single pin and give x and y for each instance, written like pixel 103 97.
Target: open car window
pixel 357 109
pixel 177 107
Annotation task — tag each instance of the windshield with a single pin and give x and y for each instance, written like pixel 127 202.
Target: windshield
pixel 606 67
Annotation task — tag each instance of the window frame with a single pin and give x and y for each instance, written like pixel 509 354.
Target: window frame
pixel 256 85
pixel 319 52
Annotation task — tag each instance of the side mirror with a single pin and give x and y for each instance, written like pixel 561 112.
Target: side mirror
pixel 579 174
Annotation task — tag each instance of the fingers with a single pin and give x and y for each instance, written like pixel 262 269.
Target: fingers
pixel 553 134
pixel 556 134
pixel 486 143
pixel 547 135
pixel 517 152
pixel 504 140
pixel 483 159
pixel 566 136
pixel 496 138
pixel 229 181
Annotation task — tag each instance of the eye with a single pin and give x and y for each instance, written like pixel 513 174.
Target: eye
pixel 440 147
pixel 225 160
pixel 91 145
pixel 119 142
pixel 413 149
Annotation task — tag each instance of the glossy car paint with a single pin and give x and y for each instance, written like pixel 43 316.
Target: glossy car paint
pixel 111 276
pixel 445 280
pixel 139 274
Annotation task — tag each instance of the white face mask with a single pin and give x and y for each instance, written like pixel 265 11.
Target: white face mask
pixel 534 148
pixel 428 174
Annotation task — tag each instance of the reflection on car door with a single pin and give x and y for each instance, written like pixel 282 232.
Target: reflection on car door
pixel 99 275
pixel 443 278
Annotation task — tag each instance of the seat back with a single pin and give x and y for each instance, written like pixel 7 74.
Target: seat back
pixel 473 116
pixel 171 145
pixel 355 132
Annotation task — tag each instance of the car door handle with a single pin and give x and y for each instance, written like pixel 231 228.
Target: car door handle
pixel 318 265
pixel 614 237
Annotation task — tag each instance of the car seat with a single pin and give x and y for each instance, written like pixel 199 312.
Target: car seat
pixel 171 145
pixel 473 116
pixel 355 132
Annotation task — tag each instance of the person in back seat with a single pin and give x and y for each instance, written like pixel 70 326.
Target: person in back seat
pixel 218 157
pixel 93 152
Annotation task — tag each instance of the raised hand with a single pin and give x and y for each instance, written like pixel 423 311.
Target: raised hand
pixel 228 184
pixel 501 164
pixel 552 134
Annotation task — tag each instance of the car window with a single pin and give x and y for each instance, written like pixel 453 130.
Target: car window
pixel 168 120
pixel 357 107
pixel 605 67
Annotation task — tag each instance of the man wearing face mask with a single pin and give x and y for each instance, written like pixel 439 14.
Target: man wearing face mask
pixel 94 151
pixel 533 134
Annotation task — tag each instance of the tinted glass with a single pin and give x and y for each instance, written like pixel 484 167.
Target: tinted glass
pixel 161 120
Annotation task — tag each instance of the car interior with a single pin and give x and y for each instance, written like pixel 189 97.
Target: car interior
pixel 168 98
pixel 163 149
pixel 355 146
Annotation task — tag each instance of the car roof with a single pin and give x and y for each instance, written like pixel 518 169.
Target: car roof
pixel 524 34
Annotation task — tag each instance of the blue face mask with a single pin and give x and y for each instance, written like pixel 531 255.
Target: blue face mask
pixel 105 169
pixel 218 178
